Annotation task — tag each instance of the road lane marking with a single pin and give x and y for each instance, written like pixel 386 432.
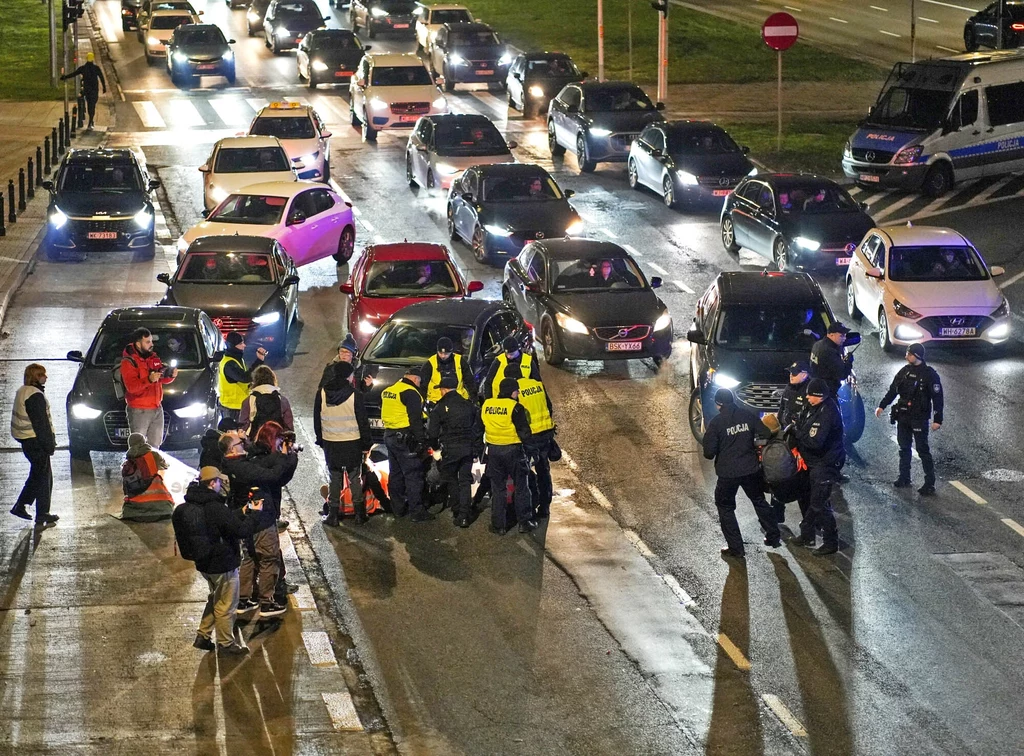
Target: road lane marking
pixel 186 114
pixel 928 20
pixel 1012 280
pixel 677 589
pixel 367 224
pixel 684 287
pixel 947 49
pixel 303 599
pixel 609 234
pixel 378 238
pixel 632 250
pixel 838 20
pixel 733 652
pixel 634 538
pixel 658 268
pixel 233 111
pixel 950 5
pixel 149 115
pixel 967 492
pixel 790 7
pixel 784 714
pixel 342 711
pixel 569 461
pixel 897 205
pixel 879 8
pixel 1014 526
pixel 318 648
pixel 889 33
pixel 257 103
pixel 599 497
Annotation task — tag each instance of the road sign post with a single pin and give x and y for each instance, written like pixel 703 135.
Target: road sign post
pixel 780 32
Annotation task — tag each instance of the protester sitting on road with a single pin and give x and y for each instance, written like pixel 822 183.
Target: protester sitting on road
pixel 264 403
pixel 146 498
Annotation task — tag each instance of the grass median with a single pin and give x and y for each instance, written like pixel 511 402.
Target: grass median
pixel 25 51
pixel 808 144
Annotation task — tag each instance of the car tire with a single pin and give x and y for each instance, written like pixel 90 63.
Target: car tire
pixel 431 182
pixel 529 111
pixel 275 48
pixel 479 245
pixel 851 301
pixel 970 40
pixel 855 428
pixel 668 193
pixel 511 102
pixel 230 76
pixel 311 83
pixel 249 29
pixel 450 217
pixel 352 112
pixel 409 176
pixel 695 414
pixel 370 31
pixel 506 297
pixel 884 339
pixel 150 60
pixel 557 150
pixel 346 245
pixel 125 28
pixel 582 157
pixel 780 255
pixel 632 175
pixel 326 177
pixel 369 133
pixel 553 354
pixel 449 82
pixel 79 453
pixel 938 180
pixel 729 235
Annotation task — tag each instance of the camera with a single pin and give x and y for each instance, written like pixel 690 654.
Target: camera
pixel 288 437
pixel 169 369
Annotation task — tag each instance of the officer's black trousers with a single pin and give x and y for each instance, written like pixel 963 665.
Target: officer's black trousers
pixel 540 472
pixel 457 473
pixel 725 501
pixel 906 434
pixel 798 488
pixel 819 512
pixel 504 462
pixel 405 476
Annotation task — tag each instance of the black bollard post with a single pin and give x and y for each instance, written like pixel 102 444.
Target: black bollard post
pixel 74 121
pixel 60 136
pixel 3 228
pixel 30 178
pixel 12 216
pixel 67 131
pixel 21 190
pixel 39 165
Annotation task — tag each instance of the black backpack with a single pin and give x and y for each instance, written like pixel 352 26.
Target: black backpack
pixel 189 521
pixel 777 461
pixel 118 379
pixel 268 407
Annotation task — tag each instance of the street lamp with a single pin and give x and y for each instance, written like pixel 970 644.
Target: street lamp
pixel 662 7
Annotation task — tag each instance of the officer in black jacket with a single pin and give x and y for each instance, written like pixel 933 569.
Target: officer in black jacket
pixel 454 426
pixel 730 441
pixel 920 395
pixel 827 359
pixel 794 396
pixel 819 439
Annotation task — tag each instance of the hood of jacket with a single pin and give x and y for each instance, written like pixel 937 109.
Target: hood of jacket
pixel 337 391
pixel 265 389
pixel 198 493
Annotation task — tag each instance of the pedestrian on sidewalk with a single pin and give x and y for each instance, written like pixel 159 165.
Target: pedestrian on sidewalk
pixel 233 376
pixel 454 426
pixel 506 433
pixel 32 427
pixel 265 403
pixel 144 376
pixel 343 431
pixel 92 77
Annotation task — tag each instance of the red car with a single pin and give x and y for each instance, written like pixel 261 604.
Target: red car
pixel 388 277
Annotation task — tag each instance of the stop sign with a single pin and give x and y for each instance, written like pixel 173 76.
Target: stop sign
pixel 780 31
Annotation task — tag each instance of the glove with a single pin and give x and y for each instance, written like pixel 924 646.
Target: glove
pixel 849 359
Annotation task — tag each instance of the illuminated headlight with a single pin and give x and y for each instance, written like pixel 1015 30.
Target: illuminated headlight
pixel 575 228
pixel 456 60
pixel 84 412
pixel 378 104
pixel 152 41
pixel 180 57
pixel 57 218
pixel 269 319
pixel 497 231
pixel 253 16
pixel 1000 331
pixel 571 324
pixel 903 311
pixel 228 56
pixel 378 12
pixel 319 65
pixel 505 60
pixel 445 169
pixel 307 159
pixel 908 333
pixel 809 244
pixel 217 194
pixel 281 31
pixel 441 103
pixel 600 132
pixel 192 411
pixel 144 218
pixel 366 327
pixel 724 381
pixel 662 322
pixel 753 171
pixel 536 91
pixel 686 179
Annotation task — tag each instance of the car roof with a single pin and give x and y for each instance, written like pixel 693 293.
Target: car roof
pixel 464 117
pixel 232 243
pixel 687 125
pixel 281 188
pixel 445 6
pixel 450 311
pixel 572 249
pixel 923 236
pixel 795 179
pixel 594 86
pixel 407 251
pixel 544 55
pixel 155 316
pixel 767 287
pixel 395 59
pixel 469 26
pixel 510 169
pixel 332 33
pixel 88 154
pixel 190 27
pixel 285 108
pixel 172 12
pixel 236 142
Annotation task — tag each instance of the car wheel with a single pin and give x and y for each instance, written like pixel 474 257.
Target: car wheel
pixel 352 22
pixel 312 81
pixel 231 76
pixel 970 40
pixel 780 254
pixel 511 102
pixel 275 47
pixel 884 339
pixel 939 180
pixel 125 28
pixel 150 60
pixel 449 81
pixel 582 156
pixel 668 192
pixel 251 32
pixel 408 169
pixel 431 182
pixel 452 233
pixel 79 453
pixel 696 414
pixel 549 341
pixel 529 111
pixel 557 150
pixel 634 178
pixel 853 429
pixel 851 301
pixel 346 245
pixel 506 297
pixel 352 112
pixel 326 177
pixel 369 133
pixel 479 245
pixel 729 235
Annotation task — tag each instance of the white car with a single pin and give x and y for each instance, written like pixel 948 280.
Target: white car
pixel 303 135
pixel 430 18
pixel 159 28
pixel 310 220
pixel 237 162
pixel 392 91
pixel 442 146
pixel 925 284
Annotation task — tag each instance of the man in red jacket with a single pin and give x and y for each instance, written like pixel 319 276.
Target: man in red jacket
pixel 144 375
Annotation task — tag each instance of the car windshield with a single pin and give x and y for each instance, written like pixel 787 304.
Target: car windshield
pixel 200 36
pixel 251 160
pixel 284 127
pixel 700 142
pixel 176 344
pixel 168 22
pixel 617 101
pixel 227 268
pixel 815 200
pixel 101 177
pixel 770 327
pixel 335 42
pixel 450 16
pixel 477 137
pixel 936 264
pixel 256 209
pixel 912 108
pixel 475 38
pixel 411 278
pixel 597 274
pixel 399 342
pixel 522 188
pixel 552 67
pixel 400 76
pixel 299 10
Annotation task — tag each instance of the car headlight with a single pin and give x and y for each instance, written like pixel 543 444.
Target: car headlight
pixel 268 319
pixel 192 411
pixel 908 155
pixel 307 159
pixel 228 56
pixel 217 194
pixel 180 57
pixel 57 218
pixel 81 411
pixel 505 60
pixel 1002 310
pixel 319 65
pixel 152 41
pixel 441 103
pixel 536 91
pixel 662 322
pixel 571 324
pixel 903 311
pixel 378 12
pixel 366 327
pixel 598 132
pixel 908 333
pixel 456 60
pixel 723 381
pixel 810 245
pixel 575 228
pixel 497 231
pixel 445 169
pixel 378 104
pixel 847 149
pixel 281 31
pixel 999 331
pixel 143 218
pixel 253 16
pixel 686 179
pixel 753 171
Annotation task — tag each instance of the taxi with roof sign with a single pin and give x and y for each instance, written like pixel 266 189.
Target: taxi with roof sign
pixel 303 134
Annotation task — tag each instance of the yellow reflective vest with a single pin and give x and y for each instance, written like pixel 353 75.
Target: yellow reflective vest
pixel 534 399
pixel 393 411
pixel 499 429
pixel 525 364
pixel 232 395
pixel 434 387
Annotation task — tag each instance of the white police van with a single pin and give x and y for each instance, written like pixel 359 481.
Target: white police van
pixel 937 122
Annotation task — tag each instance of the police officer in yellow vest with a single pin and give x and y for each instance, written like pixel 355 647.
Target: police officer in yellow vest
pixel 512 354
pixel 535 399
pixel 233 379
pixel 401 410
pixel 32 428
pixel 447 362
pixel 506 430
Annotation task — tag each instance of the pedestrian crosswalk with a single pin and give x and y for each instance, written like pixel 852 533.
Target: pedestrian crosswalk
pixel 223 111
pixel 899 207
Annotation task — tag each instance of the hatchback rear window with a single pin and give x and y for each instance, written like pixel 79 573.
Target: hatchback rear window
pixel 251 160
pixel 283 127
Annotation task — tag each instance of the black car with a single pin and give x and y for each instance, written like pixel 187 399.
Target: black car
pixel 184 336
pixel 598 121
pixel 477 327
pixel 687 162
pixel 196 50
pixel 748 329
pixel 130 14
pixel 982 29
pixel 498 208
pixel 286 22
pixel 247 284
pixel 326 56
pixel 99 201
pixel 535 77
pixel 800 221
pixel 254 16
pixel 588 300
pixel 469 54
pixel 387 16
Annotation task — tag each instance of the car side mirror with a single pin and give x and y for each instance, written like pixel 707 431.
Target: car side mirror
pixel 656 153
pixel 468 196
pixel 327 18
pixel 164 278
pixel 154 184
pixel 655 282
pixel 694 336
pixel 569 193
pixel 745 150
pixel 873 272
pixel 231 41
pixel 347 288
pixel 659 106
pixel 533 287
pixel 297 218
pixel 361 83
pixel 584 74
pixel 204 168
pixel 205 213
pixel 474 286
pixel 871 110
pixel 47 185
pixel 75 356
pixel 512 144
pixel 291 280
pixel 852 339
pixel 997 270
pixel 326 134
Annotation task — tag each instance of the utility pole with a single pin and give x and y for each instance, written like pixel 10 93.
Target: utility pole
pixel 600 40
pixel 662 7
pixel 999 26
pixel 913 31
pixel 53 44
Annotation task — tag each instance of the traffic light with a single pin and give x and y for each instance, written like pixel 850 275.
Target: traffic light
pixel 661 6
pixel 73 10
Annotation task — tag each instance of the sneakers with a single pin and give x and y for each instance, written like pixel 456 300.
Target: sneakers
pixel 927 490
pixel 20 511
pixel 233 649
pixel 901 483
pixel 245 606
pixel 203 643
pixel 272 609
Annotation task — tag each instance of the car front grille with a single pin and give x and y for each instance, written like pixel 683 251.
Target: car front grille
pixel 718 182
pixel 410 108
pixel 624 141
pixel 226 324
pixel 872 156
pixel 484 64
pixel 761 396
pixel 117 420
pixel 934 323
pixel 622 333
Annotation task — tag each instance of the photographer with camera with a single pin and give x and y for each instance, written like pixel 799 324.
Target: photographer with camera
pixel 920 395
pixel 144 375
pixel 401 411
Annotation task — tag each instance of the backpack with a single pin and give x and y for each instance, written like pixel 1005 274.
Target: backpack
pixel 115 375
pixel 134 478
pixel 777 461
pixel 189 521
pixel 264 408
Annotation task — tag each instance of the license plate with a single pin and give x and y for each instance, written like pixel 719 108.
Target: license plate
pixel 401 26
pixel 870 178
pixel 486 71
pixel 843 260
pixel 102 235
pixel 376 422
pixel 207 67
pixel 342 73
pixel 408 118
pixel 122 432
pixel 958 331
pixel 721 192
pixel 625 346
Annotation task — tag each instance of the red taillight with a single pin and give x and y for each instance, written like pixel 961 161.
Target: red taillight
pixel 1017 27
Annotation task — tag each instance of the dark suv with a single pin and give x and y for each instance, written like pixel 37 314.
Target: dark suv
pixel 469 53
pixel 376 16
pixel 100 200
pixel 982 29
pixel 288 21
pixel 182 336
pixel 748 329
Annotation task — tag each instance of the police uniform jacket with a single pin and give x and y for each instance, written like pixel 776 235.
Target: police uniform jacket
pixel 729 440
pixel 828 364
pixel 792 403
pixel 819 435
pixel 413 402
pixel 920 390
pixel 488 384
pixel 447 367
pixel 454 422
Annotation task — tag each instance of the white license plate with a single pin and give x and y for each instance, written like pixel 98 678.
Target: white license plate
pixel 721 192
pixel 102 235
pixel 870 178
pixel 122 432
pixel 486 71
pixel 625 346
pixel 843 260
pixel 408 118
pixel 401 26
pixel 958 331
pixel 376 422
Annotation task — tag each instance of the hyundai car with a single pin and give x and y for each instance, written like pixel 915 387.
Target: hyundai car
pixel 534 78
pixel 303 134
pixel 237 162
pixel 197 50
pixel 442 146
pixel 469 53
pixel 392 91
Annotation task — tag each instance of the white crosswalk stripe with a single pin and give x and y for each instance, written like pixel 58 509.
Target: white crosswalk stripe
pixel 149 115
pixel 890 210
pixel 184 113
pixel 233 111
pixel 257 103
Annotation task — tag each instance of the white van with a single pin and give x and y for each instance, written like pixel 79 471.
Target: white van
pixel 937 122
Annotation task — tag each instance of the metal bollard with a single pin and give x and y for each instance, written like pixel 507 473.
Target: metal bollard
pixel 3 228
pixel 60 136
pixel 39 165
pixel 74 121
pixel 67 130
pixel 12 216
pixel 30 176
pixel 21 191
pixel 46 145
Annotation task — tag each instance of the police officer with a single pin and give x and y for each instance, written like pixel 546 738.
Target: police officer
pixel 454 425
pixel 401 410
pixel 506 430
pixel 920 394
pixel 827 359
pixel 819 439
pixel 234 377
pixel 512 354
pixel 535 399
pixel 92 77
pixel 794 396
pixel 729 440
pixel 446 362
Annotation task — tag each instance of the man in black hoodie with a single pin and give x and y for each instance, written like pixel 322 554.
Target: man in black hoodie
pixel 454 426
pixel 343 431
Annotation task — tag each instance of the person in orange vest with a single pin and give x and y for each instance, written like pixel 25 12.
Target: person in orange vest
pixel 146 498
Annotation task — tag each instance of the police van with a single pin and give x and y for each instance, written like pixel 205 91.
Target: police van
pixel 937 122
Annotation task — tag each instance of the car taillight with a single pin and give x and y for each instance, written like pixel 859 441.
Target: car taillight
pixel 907 156
pixel 1017 27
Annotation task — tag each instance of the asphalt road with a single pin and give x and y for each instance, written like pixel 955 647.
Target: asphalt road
pixel 617 628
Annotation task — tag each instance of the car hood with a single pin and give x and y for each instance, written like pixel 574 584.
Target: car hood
pixel 630 121
pixel 612 308
pixel 204 52
pixel 830 229
pixel 415 93
pixel 733 164
pixel 88 204
pixel 882 139
pixel 481 52
pixel 754 366
pixel 160 34
pixel 216 300
pixel 95 387
pixel 552 217
pixel 948 297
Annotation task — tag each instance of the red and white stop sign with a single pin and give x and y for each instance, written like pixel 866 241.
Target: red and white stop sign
pixel 780 31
